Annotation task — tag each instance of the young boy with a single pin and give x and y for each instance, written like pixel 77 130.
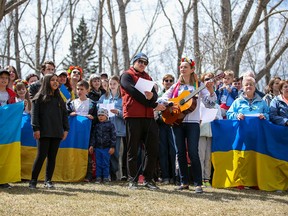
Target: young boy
pixel 7 96
pixel 85 107
pixel 226 93
pixel 103 140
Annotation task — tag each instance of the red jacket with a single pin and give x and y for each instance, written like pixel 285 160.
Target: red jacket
pixel 135 104
pixel 12 96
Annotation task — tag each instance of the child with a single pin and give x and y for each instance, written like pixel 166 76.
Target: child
pixel 7 96
pixel 205 140
pixel 113 96
pixel 103 140
pixel 20 88
pixel 49 121
pixel 95 87
pixel 83 106
pixel 226 93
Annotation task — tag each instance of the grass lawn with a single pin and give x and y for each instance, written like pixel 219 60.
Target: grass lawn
pixel 116 199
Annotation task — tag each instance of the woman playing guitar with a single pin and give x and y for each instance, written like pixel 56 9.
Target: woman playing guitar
pixel 186 109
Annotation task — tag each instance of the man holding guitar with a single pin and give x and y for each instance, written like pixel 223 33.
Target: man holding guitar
pixel 184 116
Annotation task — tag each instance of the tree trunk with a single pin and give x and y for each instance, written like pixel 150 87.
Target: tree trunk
pixel 196 37
pixel 38 38
pixel 100 48
pixel 16 42
pixel 124 33
pixel 115 65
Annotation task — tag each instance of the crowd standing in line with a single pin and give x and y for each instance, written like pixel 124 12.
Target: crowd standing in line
pixel 133 123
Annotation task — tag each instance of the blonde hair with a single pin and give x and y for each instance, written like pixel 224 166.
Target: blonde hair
pixel 229 73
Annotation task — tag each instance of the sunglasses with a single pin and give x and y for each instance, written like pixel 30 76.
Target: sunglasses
pixel 207 79
pixel 171 81
pixel 143 62
pixel 76 72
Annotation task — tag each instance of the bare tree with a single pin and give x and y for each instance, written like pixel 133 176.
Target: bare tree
pixel 197 53
pixel 100 51
pixel 122 4
pixel 7 6
pixel 115 64
pixel 180 43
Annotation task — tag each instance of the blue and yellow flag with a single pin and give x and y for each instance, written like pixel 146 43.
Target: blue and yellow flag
pixel 10 130
pixel 250 152
pixel 72 157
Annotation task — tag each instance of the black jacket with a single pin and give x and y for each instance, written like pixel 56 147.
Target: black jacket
pixel 50 118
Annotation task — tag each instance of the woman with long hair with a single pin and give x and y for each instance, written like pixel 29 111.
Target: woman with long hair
pixel 49 121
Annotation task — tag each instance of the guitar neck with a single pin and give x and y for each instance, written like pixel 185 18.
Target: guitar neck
pixel 191 95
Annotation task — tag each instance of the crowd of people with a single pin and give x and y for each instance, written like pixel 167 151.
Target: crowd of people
pixel 153 150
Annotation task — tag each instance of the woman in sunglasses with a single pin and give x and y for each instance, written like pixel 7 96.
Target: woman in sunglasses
pixel 75 74
pixel 248 103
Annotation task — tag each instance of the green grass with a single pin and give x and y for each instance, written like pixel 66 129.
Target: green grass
pixel 117 199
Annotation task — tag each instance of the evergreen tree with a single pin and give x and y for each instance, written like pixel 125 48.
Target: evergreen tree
pixel 82 56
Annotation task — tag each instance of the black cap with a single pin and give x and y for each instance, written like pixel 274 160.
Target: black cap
pixel 4 71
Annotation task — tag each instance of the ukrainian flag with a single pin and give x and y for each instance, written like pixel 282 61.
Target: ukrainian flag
pixel 72 157
pixel 10 130
pixel 250 152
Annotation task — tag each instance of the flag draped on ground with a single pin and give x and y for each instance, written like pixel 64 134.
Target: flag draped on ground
pixel 250 152
pixel 10 120
pixel 72 157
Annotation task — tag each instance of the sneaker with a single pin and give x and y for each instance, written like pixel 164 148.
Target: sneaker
pixel 123 178
pixel 133 185
pixel 32 184
pixel 203 184
pixel 151 185
pixel 5 186
pixel 207 184
pixel 165 181
pixel 98 180
pixel 141 179
pixel 183 187
pixel 198 189
pixel 49 185
pixel 106 181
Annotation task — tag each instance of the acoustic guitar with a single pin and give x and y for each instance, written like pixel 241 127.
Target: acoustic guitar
pixel 185 103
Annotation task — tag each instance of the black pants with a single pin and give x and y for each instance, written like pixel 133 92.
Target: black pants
pixel 47 147
pixel 142 130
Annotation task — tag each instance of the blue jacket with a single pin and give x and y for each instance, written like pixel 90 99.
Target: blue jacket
pixel 117 120
pixel 278 112
pixel 231 96
pixel 242 105
pixel 103 135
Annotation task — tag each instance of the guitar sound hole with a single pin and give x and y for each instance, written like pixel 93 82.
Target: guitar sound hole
pixel 182 102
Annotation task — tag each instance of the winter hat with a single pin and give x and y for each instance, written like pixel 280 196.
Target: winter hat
pixel 141 56
pixel 103 111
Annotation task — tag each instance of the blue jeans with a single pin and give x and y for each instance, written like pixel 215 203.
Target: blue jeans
pixel 167 153
pixel 102 162
pixel 114 159
pixel 188 133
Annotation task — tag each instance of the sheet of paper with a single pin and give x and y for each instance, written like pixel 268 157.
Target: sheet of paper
pixel 143 85
pixel 252 115
pixel 108 106
pixel 206 114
